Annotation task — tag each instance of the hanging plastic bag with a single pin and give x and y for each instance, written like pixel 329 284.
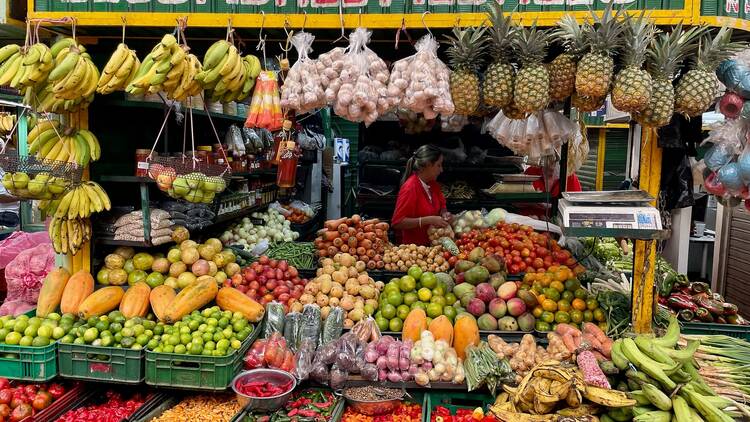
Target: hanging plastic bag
pixel 302 90
pixel 265 106
pixel 274 321
pixel 719 155
pixel 304 359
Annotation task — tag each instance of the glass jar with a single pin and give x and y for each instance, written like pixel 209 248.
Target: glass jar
pixel 287 172
pixel 141 163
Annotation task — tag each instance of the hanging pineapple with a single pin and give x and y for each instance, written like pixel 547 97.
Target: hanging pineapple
pixel 498 78
pixel 698 87
pixel 531 92
pixel 632 88
pixel 603 36
pixel 586 104
pixel 562 69
pixel 665 55
pixel 466 55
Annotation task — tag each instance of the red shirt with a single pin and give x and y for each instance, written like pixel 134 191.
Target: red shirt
pixel 573 185
pixel 413 202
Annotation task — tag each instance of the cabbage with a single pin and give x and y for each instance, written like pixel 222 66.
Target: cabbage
pixel 495 216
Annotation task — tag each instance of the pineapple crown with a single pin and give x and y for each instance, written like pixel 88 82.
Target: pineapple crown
pixel 639 33
pixel 467 48
pixel 604 35
pixel 712 51
pixel 668 50
pixel 571 35
pixel 531 45
pixel 502 32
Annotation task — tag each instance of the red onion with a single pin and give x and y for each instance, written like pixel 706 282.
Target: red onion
pixel 382 374
pixel 382 362
pixel 394 376
pixel 403 363
pixel 371 356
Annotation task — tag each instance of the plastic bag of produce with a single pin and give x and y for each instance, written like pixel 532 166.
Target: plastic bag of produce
pixel 333 326
pixel 720 154
pixel 338 377
pixel 254 357
pixel 277 355
pixel 346 352
pixel 25 273
pixel 293 330
pixel 304 359
pixel 18 242
pixel 310 322
pixel 274 322
pixel 469 220
pixel 302 90
pixel 735 75
pixel 234 140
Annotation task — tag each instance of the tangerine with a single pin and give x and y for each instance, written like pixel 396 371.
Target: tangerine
pixel 579 304
pixel 549 305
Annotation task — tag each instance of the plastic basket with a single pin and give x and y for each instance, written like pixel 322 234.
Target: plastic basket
pixel 110 364
pixel 338 411
pixel 34 178
pixel 188 179
pixel 705 328
pixel 196 372
pixel 61 405
pixel 454 400
pixel 28 363
pixel 168 402
pixel 96 395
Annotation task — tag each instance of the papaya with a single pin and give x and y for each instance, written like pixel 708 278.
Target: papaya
pixel 79 287
pixel 192 297
pixel 465 333
pixel 160 298
pixel 135 301
pixel 100 302
pixel 414 324
pixel 231 299
pixel 442 329
pixel 52 291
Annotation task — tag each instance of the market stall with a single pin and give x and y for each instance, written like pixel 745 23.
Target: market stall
pixel 197 273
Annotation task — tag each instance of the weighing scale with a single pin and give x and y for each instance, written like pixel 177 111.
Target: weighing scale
pixel 610 213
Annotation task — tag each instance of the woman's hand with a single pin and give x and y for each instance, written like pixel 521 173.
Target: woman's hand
pixel 447 216
pixel 434 220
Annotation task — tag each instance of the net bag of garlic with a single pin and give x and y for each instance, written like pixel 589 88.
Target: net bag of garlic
pixel 421 83
pixel 302 90
pixel 360 93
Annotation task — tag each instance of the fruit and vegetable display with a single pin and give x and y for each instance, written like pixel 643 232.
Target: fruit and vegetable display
pixel 202 408
pixel 19 401
pixel 182 265
pixel 402 257
pixel 271 352
pixel 273 229
pixel 721 362
pixel 364 239
pixel 522 248
pixel 113 407
pixel 443 414
pixel 527 354
pixel 311 403
pixel 342 281
pixel 267 280
pixel 695 302
pixel 197 185
pixel 35 331
pixel 404 412
pixel 298 254
pixel 557 297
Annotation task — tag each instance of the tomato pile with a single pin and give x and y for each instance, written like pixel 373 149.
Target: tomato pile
pixel 20 401
pixel 523 248
pixel 405 412
pixel 114 409
pixel 267 280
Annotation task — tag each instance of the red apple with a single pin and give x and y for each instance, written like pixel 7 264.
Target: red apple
pixel 243 288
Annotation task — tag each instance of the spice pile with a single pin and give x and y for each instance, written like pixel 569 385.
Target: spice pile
pixel 203 408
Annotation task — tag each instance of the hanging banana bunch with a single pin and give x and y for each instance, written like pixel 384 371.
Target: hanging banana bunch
pixel 71 84
pixel 49 140
pixel 119 71
pixel 226 74
pixel 70 227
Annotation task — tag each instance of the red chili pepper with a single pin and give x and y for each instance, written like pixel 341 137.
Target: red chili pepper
pixel 292 412
pixel 323 405
pixel 307 413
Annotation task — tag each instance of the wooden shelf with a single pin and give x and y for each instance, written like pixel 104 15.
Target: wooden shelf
pixel 162 106
pixel 126 179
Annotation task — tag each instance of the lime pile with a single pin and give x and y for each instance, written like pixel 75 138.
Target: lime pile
pixel 417 289
pixel 210 332
pixel 114 330
pixel 34 331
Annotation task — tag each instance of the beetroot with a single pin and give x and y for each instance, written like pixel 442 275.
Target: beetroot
pixel 476 307
pixel 516 307
pixel 485 292
pixel 507 290
pixel 498 308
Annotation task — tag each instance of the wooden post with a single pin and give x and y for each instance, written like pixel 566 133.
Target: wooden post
pixel 600 153
pixel 644 262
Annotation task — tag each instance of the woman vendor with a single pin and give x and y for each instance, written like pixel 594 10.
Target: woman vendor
pixel 420 204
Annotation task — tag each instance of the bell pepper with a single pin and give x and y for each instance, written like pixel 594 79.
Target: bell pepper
pixel 699 287
pixel 720 320
pixel 681 301
pixel 717 297
pixel 710 305
pixel 704 315
pixel 686 315
pixel 730 308
pixel 666 285
pixel 681 281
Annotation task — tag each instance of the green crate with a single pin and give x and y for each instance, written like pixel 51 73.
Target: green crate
pixel 111 364
pixel 705 328
pixel 28 363
pixel 454 400
pixel 196 372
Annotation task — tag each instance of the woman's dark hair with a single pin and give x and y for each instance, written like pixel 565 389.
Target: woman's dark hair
pixel 424 156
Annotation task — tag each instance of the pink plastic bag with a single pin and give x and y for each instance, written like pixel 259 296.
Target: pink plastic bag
pixel 18 242
pixel 16 307
pixel 24 275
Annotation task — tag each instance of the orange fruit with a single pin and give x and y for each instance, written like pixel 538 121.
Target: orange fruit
pixel 541 298
pixel 549 305
pixel 563 306
pixel 553 268
pixel 579 304
pixel 599 315
pixel 537 312
pixel 546 280
pixel 561 275
pixel 592 304
pixel 557 285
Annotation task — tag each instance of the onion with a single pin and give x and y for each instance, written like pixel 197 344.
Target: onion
pixel 405 376
pixel 382 374
pixel 427 366
pixel 394 377
pixel 421 379
pixel 382 362
pixel 371 356
pixel 403 364
pixel 413 369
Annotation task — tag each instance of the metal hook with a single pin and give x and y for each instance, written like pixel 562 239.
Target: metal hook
pixel 304 21
pixel 359 18
pixel 425 13
pixel 262 39
pixel 406 33
pixel 341 20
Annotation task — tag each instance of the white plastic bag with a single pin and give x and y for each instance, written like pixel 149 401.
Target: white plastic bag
pixel 302 90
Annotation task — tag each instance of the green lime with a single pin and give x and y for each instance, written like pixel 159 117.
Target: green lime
pixel 168 348
pixel 562 317
pixel 79 340
pixel 388 311
pixel 174 340
pixel 239 324
pixel 127 342
pixel 440 300
pixel 382 323
pixel 108 341
pixel 568 296
pixel 419 305
pixel 395 299
pixel 450 298
pixel 20 326
pixel 180 349
pixel 424 294
pixel 207 337
pixel 548 317
pixel 13 338
pixel 407 283
pixel 581 293
pixel 185 338
pixel 26 341
pixel 90 334
pixel 450 312
pixel 4 333
pixel 67 339
pixel 438 291
pixel 118 337
pixel 54 316
pixel 429 280
pixel 102 325
pixel 209 345
pixel 391 287
pixel 410 298
pixel 224 322
pixel 127 332
pixel 235 344
pixel 30 331
pixel 415 272
pixel 402 312
pixel 142 339
pixel 395 325
pixel 434 310
pixel 222 344
pixel 45 331
pixel 195 349
pixel 542 326
pixel 138 330
pixel 572 285
pixel 115 327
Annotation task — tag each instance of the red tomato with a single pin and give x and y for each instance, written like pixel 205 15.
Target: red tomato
pixel 6 396
pixel 21 412
pixel 42 400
